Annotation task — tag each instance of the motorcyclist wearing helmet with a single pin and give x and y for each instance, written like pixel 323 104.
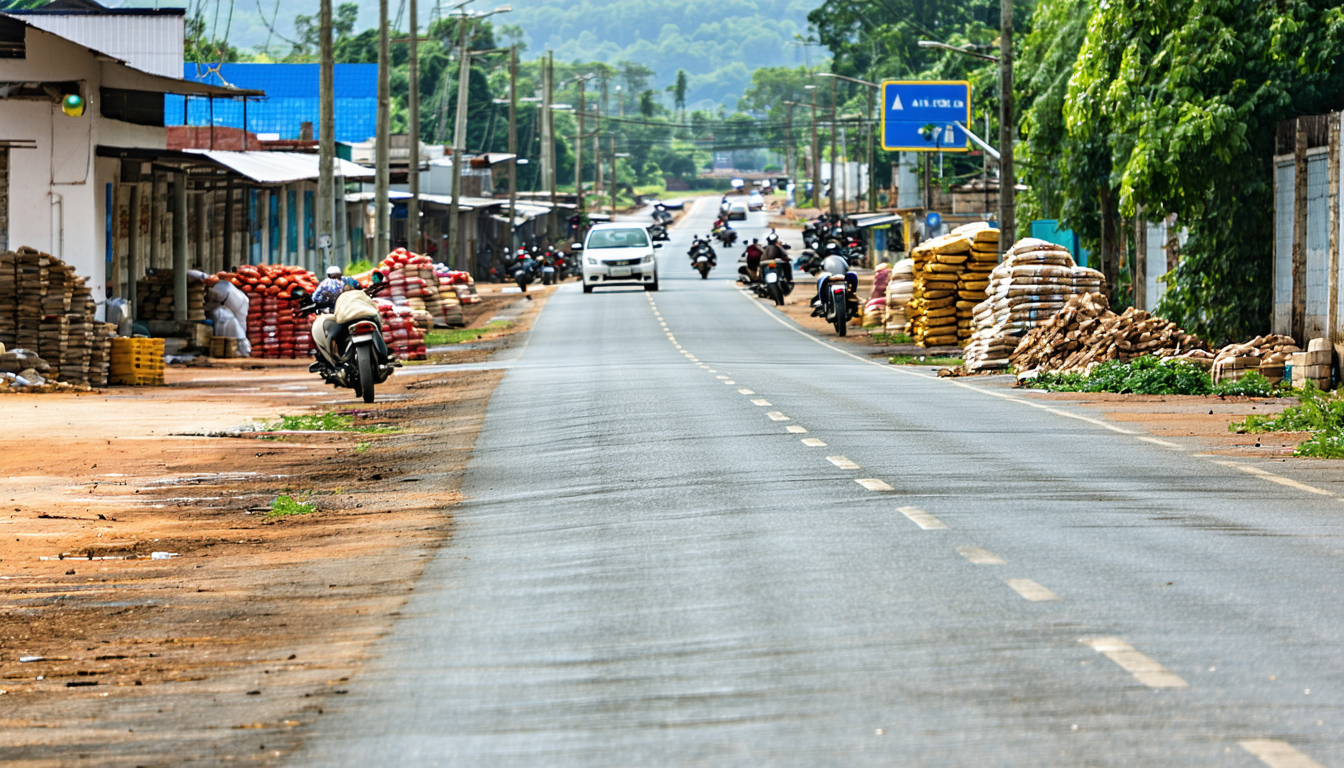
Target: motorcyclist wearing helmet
pixel 775 251
pixel 754 253
pixel 696 243
pixel 334 285
pixel 833 264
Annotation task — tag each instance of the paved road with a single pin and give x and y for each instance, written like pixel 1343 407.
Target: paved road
pixel 725 543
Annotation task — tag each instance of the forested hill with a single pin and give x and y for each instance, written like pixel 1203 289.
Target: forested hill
pixel 717 42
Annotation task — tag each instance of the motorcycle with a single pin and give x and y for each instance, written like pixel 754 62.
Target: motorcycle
pixel 550 273
pixel 838 302
pixel 661 216
pixel 658 232
pixel 703 258
pixel 348 339
pixel 726 236
pixel 808 262
pixel 524 270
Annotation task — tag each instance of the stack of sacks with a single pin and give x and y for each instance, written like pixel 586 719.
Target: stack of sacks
pixel 400 332
pixel 974 281
pixel 1035 280
pixel 900 289
pixel 1086 332
pixel 875 309
pixel 272 329
pixel 414 283
pixel 932 312
pixel 462 282
pixel 1264 354
pixel 154 295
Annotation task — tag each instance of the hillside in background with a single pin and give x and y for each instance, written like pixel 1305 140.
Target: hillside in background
pixel 717 42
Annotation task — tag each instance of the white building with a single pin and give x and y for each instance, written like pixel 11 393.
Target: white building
pixel 150 39
pixel 59 172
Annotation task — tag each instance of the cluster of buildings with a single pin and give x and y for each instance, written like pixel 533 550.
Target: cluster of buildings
pixel 118 157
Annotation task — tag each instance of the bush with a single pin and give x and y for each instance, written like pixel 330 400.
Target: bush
pixel 1145 375
pixel 1321 414
pixel 1250 385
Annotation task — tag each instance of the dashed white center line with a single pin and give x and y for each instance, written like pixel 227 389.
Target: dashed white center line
pixel 812 442
pixel 1278 754
pixel 1273 478
pixel 923 519
pixel 1031 590
pixel 1148 671
pixel 873 484
pixel 842 462
pixel 776 416
pixel 758 401
pixel 745 392
pixel 720 377
pixel 730 382
pixel 793 428
pixel 980 556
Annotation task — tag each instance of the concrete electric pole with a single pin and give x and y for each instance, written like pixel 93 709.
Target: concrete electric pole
pixel 382 240
pixel 1007 179
pixel 326 150
pixel 459 140
pixel 413 108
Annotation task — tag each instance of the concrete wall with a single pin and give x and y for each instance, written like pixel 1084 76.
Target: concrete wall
pixel 1283 246
pixel 1319 254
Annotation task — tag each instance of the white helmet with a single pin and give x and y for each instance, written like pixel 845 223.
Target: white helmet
pixel 835 265
pixel 334 271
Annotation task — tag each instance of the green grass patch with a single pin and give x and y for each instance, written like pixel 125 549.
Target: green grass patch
pixel 1145 375
pixel 1251 385
pixel 286 505
pixel 460 335
pixel 891 338
pixel 358 267
pixel 362 447
pixel 923 360
pixel 330 421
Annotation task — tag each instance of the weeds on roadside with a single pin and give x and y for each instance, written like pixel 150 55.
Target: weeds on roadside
pixel 1145 375
pixel 1251 385
pixel 923 360
pixel 286 505
pixel 361 447
pixel 1320 413
pixel 887 339
pixel 460 335
pixel 330 421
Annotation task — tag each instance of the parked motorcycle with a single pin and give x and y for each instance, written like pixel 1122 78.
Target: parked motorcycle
pixel 661 216
pixel 808 262
pixel 658 232
pixel 348 339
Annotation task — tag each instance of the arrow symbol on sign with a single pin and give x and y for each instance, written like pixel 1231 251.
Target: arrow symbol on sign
pixel 897 104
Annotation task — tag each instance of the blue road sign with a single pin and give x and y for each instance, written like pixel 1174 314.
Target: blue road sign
pixel 921 115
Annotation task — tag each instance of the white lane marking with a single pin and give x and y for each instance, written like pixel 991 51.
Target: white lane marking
pixel 730 382
pixel 795 429
pixel 923 519
pixel 759 401
pixel 1163 443
pixel 777 416
pixel 745 392
pixel 980 556
pixel 1147 670
pixel 902 371
pixel 812 442
pixel 842 462
pixel 710 370
pixel 720 377
pixel 1273 478
pixel 1031 590
pixel 873 484
pixel 1278 754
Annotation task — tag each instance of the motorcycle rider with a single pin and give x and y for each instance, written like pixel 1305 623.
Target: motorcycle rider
pixel 754 253
pixel 334 285
pixel 696 242
pixel 775 252
pixel 833 264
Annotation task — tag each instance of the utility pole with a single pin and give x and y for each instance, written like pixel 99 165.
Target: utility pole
pixel 1007 179
pixel 413 107
pixel 872 187
pixel 816 156
pixel 788 140
pixel 614 186
pixel 326 151
pixel 830 199
pixel 382 237
pixel 548 126
pixel 459 140
pixel 578 148
pixel 513 139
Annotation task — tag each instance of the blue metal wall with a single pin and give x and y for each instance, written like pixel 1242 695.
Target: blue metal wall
pixel 291 99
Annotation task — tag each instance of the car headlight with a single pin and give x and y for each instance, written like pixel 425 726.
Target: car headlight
pixel 592 262
pixel 648 259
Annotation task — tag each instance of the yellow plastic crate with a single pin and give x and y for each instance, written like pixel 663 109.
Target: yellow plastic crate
pixel 137 362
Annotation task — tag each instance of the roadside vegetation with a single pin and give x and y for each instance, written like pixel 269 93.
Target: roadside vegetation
pixel 331 421
pixel 923 360
pixel 461 335
pixel 286 505
pixel 1320 413
pixel 1153 376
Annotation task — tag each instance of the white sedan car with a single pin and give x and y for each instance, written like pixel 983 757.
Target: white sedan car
pixel 618 254
pixel 755 202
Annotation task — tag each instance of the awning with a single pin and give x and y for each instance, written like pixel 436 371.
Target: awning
pixel 280 167
pixel 369 197
pixel 876 221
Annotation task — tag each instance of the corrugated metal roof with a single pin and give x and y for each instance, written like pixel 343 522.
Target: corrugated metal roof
pixel 280 167
pixel 150 43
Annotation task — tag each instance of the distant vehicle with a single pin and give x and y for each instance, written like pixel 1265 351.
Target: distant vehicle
pixel 738 184
pixel 618 254
pixel 737 212
pixel 755 202
pixel 673 205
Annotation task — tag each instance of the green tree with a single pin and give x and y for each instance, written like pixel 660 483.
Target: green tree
pixel 679 92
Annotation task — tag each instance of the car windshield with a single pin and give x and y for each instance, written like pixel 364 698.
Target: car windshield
pixel 617 238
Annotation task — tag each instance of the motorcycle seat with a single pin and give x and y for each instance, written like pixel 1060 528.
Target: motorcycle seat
pixel 836 279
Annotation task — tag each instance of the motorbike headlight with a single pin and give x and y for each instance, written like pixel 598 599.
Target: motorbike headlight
pixel 592 262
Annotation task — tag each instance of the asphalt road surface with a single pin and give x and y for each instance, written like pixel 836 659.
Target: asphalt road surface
pixel 697 535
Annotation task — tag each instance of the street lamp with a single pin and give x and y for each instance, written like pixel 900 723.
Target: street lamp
pixel 1007 178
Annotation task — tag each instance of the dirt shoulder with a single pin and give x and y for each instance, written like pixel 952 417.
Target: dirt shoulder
pixel 229 649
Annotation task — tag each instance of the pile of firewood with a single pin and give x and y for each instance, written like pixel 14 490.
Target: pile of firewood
pixel 1086 332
